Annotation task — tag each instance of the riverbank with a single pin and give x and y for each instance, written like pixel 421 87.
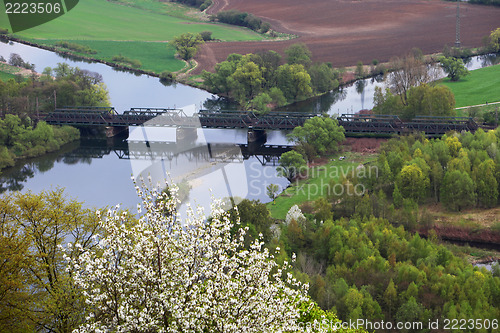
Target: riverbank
pixel 24 142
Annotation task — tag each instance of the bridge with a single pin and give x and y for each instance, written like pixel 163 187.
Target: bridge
pixel 256 123
pixel 107 116
pixel 391 124
pixel 150 150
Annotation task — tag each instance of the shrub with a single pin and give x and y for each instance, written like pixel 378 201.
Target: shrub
pixel 76 47
pixel 206 35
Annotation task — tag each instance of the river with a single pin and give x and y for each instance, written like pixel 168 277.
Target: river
pixel 98 172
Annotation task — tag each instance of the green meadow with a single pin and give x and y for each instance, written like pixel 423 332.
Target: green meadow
pixel 8 72
pixel 154 56
pixel 316 185
pixel 480 86
pixel 138 29
pixel 6 76
pixel 105 20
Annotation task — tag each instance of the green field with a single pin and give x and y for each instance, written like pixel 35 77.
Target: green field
pixel 104 20
pixel 480 86
pixel 315 186
pixel 6 76
pixel 138 29
pixel 154 56
pixel 8 72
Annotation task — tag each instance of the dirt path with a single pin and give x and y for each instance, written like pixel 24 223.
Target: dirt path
pixel 217 6
pixel 344 32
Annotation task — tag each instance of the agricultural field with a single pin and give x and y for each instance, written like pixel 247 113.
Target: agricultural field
pixel 481 86
pixel 345 32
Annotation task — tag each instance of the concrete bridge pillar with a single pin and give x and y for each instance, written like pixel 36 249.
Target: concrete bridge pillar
pixel 256 136
pixel 112 131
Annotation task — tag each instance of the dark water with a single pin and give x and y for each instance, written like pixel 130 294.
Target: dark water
pixel 99 172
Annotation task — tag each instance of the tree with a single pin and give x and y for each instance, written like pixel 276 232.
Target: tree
pixel 291 165
pixel 298 54
pixel 426 100
pixel 187 45
pixel 294 81
pixel 322 78
pixel 412 182
pixel 457 190
pixel 35 289
pixel 397 197
pixel 272 191
pixel 165 273
pixel 255 216
pixel 411 72
pixel 322 134
pixel 246 81
pixel 206 35
pixel 360 72
pixel 495 40
pixel 454 67
pixel 261 103
pixel 486 184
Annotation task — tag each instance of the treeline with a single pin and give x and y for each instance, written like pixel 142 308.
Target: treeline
pixel 200 4
pixel 19 139
pixel 22 100
pixel 422 100
pixel 460 171
pixel 486 2
pixel 365 268
pixel 61 86
pixel 260 82
pixel 16 60
pixel 235 17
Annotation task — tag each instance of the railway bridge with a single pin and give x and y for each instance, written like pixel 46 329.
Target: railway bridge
pixel 256 124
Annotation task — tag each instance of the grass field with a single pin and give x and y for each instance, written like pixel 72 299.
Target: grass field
pixel 6 76
pixel 137 29
pixel 480 86
pixel 104 20
pixel 154 56
pixel 8 72
pixel 316 185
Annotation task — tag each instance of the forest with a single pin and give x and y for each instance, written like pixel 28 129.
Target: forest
pixel 259 81
pixel 23 99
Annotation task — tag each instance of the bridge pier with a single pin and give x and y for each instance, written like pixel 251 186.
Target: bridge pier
pixel 186 133
pixel 256 136
pixel 112 131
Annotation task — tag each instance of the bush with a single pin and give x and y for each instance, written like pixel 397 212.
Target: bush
pixel 167 76
pixel 76 47
pixel 206 35
pixel 4 31
pixel 235 17
pixel 122 59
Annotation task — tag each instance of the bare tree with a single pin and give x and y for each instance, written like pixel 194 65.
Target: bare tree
pixel 410 71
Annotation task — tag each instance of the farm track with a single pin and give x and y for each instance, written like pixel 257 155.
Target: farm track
pixel 345 32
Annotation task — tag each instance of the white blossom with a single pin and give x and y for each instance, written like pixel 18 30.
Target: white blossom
pixel 295 214
pixel 167 274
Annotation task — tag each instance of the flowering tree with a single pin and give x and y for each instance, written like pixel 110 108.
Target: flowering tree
pixel 164 274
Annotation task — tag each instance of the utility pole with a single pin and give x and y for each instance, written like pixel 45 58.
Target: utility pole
pixel 457 31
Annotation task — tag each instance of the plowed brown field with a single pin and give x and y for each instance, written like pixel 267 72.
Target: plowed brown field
pixel 345 32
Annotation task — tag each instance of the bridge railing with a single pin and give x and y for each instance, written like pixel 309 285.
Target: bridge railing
pixel 87 109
